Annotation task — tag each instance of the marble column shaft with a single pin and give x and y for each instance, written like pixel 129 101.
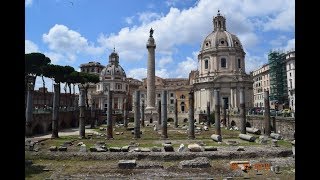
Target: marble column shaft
pixel 242 111
pixel 164 114
pixel 217 111
pixel 137 114
pixel 267 129
pixel 191 115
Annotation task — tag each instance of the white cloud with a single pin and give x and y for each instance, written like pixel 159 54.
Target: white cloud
pixel 138 73
pixel 163 73
pixel 164 61
pixel 69 43
pixel 285 20
pixel 185 67
pixel 129 20
pixel 147 17
pixel 290 45
pixel 254 62
pixel 30 47
pixel 54 57
pixel 190 26
pixel 28 3
pixel 279 41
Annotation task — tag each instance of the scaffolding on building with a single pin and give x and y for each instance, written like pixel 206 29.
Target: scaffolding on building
pixel 278 77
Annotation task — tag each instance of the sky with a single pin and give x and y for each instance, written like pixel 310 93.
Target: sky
pixel 73 32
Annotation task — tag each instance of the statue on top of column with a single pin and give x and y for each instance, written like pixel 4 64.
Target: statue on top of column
pixel 151 32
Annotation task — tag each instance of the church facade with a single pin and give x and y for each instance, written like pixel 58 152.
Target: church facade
pixel 221 63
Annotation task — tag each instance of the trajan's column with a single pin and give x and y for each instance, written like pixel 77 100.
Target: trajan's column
pixel 151 112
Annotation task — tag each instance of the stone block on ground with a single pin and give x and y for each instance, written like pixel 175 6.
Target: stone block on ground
pixel 206 128
pixel 200 162
pixel 125 148
pixel 263 140
pixel 276 136
pixel 216 137
pixel 209 148
pixel 253 130
pixel 53 148
pixel 156 149
pixel 62 148
pixel 80 143
pixel 240 148
pixel 117 133
pixel 100 149
pixel 145 150
pixel 115 149
pixel 181 148
pixel 93 149
pixel 168 148
pixel 194 148
pixel 247 137
pixel 83 148
pixel 127 164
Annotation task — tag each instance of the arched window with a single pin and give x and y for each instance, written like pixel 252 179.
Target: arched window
pixel 182 97
pixel 223 62
pixel 206 64
pixel 182 107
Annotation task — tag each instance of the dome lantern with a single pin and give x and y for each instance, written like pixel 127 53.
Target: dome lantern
pixel 219 22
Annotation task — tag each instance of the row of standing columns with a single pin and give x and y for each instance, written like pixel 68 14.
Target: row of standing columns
pixel 191 135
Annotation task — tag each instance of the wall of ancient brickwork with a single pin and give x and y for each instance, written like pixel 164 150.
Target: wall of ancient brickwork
pixel 284 125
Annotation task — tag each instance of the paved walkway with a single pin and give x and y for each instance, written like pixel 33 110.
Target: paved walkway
pixel 64 132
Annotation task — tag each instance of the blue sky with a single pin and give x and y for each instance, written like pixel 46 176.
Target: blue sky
pixel 72 32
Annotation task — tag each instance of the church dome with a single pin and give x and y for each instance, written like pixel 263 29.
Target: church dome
pixel 220 37
pixel 113 70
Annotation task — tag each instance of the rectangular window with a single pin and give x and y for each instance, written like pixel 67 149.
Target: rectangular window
pixel 171 101
pixel 206 64
pixel 239 63
pixel 171 94
pixel 223 62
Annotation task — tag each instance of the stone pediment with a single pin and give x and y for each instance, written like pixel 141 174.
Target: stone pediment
pixel 225 78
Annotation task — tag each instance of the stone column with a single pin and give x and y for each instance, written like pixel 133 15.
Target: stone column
pixel 137 114
pixel 125 108
pixel 217 111
pixel 242 112
pixel 224 112
pixel 142 114
pixel 267 123
pixel 175 113
pixel 164 118
pixel 82 123
pixel 191 115
pixel 235 98
pixel 29 110
pixel 55 110
pixel 231 99
pixel 208 113
pixel 109 114
pixel 93 117
pixel 151 46
pixel 159 112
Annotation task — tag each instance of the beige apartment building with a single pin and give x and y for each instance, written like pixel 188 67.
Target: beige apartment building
pixel 261 78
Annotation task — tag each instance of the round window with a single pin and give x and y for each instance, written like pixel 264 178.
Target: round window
pixel 222 42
